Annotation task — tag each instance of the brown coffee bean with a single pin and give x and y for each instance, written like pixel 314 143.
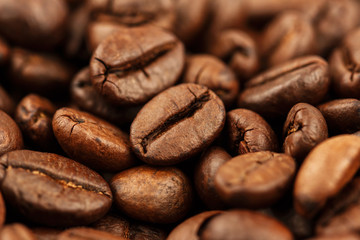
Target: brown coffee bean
pixel 4 51
pixel 275 91
pixel 345 67
pixel 211 72
pixel 204 176
pixel 255 180
pixel 304 128
pixel 53 190
pixel 42 233
pixel 341 115
pixel 347 236
pixel 324 172
pixel 85 233
pixel 6 102
pixel 153 194
pixel 16 231
pixel 243 224
pixel 35 24
pixel 92 141
pixel 151 60
pixel 248 132
pixel 10 134
pixel 177 124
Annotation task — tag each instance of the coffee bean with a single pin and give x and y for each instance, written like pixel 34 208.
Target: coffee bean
pixel 304 128
pixel 177 124
pixel 324 172
pixel 347 236
pixel 248 132
pixel 6 102
pixel 151 60
pixel 53 190
pixel 10 134
pixel 153 194
pixel 16 231
pixel 85 233
pixel 254 180
pixel 92 141
pixel 274 92
pixel 46 233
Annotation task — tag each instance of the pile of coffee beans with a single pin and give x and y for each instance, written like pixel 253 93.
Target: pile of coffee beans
pixel 179 119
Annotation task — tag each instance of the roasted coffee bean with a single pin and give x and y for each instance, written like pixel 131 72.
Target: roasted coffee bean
pixel 4 52
pixel 16 231
pixel 342 115
pixel 204 176
pixel 177 124
pixel 346 236
pixel 38 72
pixel 34 116
pixel 345 67
pixel 151 60
pixel 248 132
pixel 243 224
pixel 255 180
pixel 304 128
pixel 213 73
pixel 6 102
pixel 35 24
pixel 324 172
pixel 238 50
pixel 2 211
pixel 127 229
pixel 288 36
pixel 85 96
pixel 46 233
pixel 153 194
pixel 275 91
pixel 10 134
pixel 53 190
pixel 92 141
pixel 85 233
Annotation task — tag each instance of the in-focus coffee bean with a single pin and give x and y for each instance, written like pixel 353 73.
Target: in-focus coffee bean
pixel 10 134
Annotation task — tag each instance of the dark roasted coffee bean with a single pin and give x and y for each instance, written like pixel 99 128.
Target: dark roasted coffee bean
pixel 2 211
pixel 88 99
pixel 34 116
pixel 35 24
pixel 4 52
pixel 189 229
pixel 342 115
pixel 213 73
pixel 85 233
pixel 10 134
pixel 304 128
pixel 92 141
pixel 38 72
pixel 6 102
pixel 53 190
pixel 46 233
pixel 127 229
pixel 238 50
pixel 324 172
pixel 133 65
pixel 16 231
pixel 255 180
pixel 248 132
pixel 204 176
pixel 345 67
pixel 275 91
pixel 177 124
pixel 288 36
pixel 153 194
pixel 243 224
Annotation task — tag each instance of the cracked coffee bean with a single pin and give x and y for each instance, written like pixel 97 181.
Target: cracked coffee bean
pixel 10 134
pixel 92 141
pixel 153 194
pixel 177 124
pixel 255 180
pixel 53 190
pixel 133 65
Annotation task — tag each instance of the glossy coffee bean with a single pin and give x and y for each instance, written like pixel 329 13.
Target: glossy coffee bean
pixel 248 132
pixel 85 233
pixel 342 115
pixel 92 141
pixel 53 190
pixel 152 194
pixel 2 211
pixel 275 91
pixel 332 163
pixel 151 60
pixel 177 124
pixel 204 176
pixel 211 72
pixel 10 134
pixel 4 51
pixel 304 128
pixel 16 231
pixel 254 180
pixel 6 102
